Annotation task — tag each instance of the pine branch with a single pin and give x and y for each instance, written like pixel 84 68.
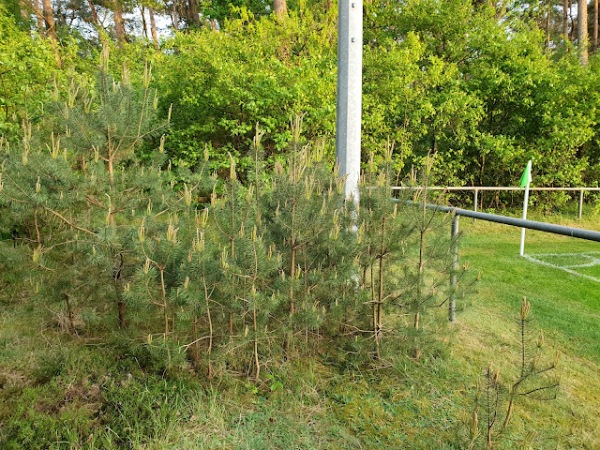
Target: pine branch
pixel 68 222
pixel 542 388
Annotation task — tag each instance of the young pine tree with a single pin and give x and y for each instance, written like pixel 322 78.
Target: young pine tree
pixel 309 223
pixel 383 234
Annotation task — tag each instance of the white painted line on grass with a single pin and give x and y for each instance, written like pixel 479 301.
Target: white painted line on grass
pixel 593 260
pixel 567 269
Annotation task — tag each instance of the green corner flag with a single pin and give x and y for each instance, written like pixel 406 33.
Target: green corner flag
pixel 526 177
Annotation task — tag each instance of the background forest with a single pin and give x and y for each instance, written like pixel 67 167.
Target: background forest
pixel 174 238
pixel 484 86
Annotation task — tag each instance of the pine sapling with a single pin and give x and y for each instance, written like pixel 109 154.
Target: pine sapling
pixel 383 237
pixel 529 383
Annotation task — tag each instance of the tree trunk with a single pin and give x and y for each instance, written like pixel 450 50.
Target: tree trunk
pixel 119 23
pixel 175 17
pixel 121 308
pixel 144 23
pixel 548 22
pixel 582 30
pixel 595 42
pixel 49 19
pixel 280 8
pixel 573 27
pixel 153 28
pixel 96 23
pixel 39 15
pixel 193 13
pixel 51 29
pixel 566 19
pixel 95 19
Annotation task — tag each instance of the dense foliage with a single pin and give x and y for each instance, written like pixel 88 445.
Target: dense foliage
pixel 480 89
pixel 275 253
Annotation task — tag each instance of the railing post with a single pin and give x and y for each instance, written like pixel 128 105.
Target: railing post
pixel 453 276
pixel 580 204
pixel 475 201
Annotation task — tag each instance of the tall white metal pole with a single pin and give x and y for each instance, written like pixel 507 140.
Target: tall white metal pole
pixel 525 203
pixel 349 94
pixel 525 178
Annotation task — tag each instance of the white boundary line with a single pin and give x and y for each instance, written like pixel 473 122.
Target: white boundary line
pixel 593 262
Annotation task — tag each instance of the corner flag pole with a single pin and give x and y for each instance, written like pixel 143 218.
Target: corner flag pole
pixel 524 183
pixel 349 94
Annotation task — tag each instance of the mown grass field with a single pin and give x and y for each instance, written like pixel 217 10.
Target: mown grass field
pixel 63 391
pixel 565 307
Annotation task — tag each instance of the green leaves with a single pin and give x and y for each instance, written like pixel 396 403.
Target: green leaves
pixel 26 68
pixel 223 84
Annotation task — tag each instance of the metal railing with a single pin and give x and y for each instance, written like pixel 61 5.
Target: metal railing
pixel 477 189
pixel 563 230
